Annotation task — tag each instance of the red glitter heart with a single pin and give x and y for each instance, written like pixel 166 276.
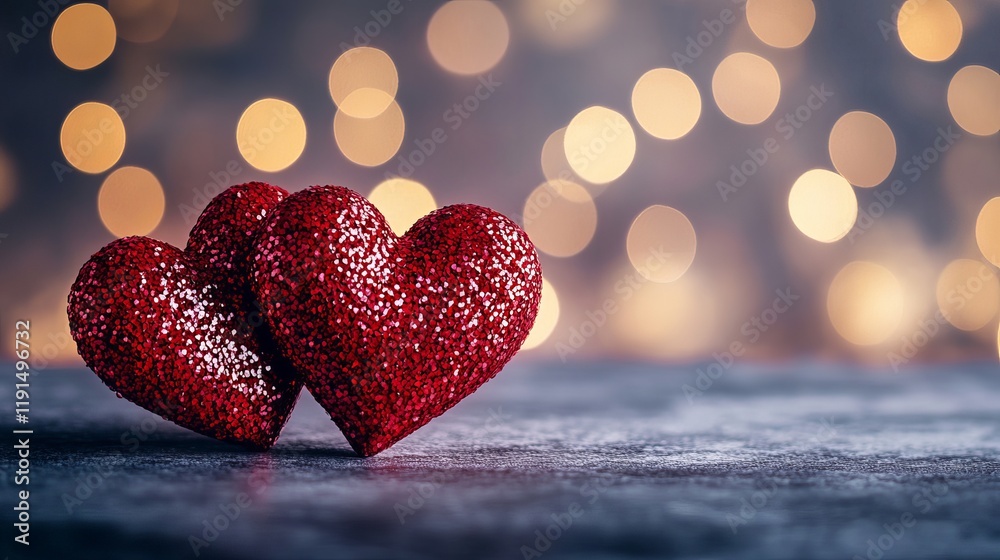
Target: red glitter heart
pixel 390 332
pixel 179 333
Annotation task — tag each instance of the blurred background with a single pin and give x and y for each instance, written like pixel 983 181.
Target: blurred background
pixel 713 180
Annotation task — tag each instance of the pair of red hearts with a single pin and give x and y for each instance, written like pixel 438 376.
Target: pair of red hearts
pixel 275 290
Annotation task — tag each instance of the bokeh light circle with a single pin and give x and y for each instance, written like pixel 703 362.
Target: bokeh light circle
pixel 599 144
pixel 974 100
pixel 369 70
pixel 988 231
pixel 929 29
pixel 666 103
pixel 560 218
pixel 373 141
pixel 92 137
pixel 823 205
pixel 968 294
pixel 865 303
pixel 271 134
pixel 661 243
pixel 547 319
pixel 468 36
pixel 781 23
pixel 83 36
pixel 130 202
pixel 8 189
pixel 746 87
pixel 862 148
pixel 402 202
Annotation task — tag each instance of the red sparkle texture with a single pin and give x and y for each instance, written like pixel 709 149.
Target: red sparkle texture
pixel 276 290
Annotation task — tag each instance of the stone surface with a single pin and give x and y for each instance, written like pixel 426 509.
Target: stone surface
pixel 826 457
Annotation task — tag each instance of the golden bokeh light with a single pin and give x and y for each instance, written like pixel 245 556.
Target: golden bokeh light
pixel 671 321
pixel 83 36
pixel 968 294
pixel 929 29
pixel 781 23
pixel 547 319
pixel 554 164
pixel 468 36
pixel 560 218
pixel 271 134
pixel 865 303
pixel 92 137
pixel 370 141
pixel 143 21
pixel 130 202
pixel 746 87
pixel 974 100
pixel 862 148
pixel 661 244
pixel 822 205
pixel 8 188
pixel 563 24
pixel 666 103
pixel 988 231
pixel 402 202
pixel 363 82
pixel 599 144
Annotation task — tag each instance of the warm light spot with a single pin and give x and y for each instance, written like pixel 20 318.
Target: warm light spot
pixel 599 144
pixel 468 36
pixel 83 36
pixel 143 21
pixel 402 202
pixel 968 294
pixel 92 137
pixel 130 202
pixel 746 88
pixel 678 320
pixel 369 70
pixel 822 205
pixel 865 303
pixel 554 164
pixel 271 134
pixel 661 243
pixel 666 103
pixel 862 148
pixel 929 29
pixel 560 218
pixel 563 24
pixel 547 319
pixel 974 100
pixel 781 23
pixel 988 231
pixel 7 182
pixel 373 141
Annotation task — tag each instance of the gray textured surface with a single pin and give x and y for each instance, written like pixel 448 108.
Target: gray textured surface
pixel 829 454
